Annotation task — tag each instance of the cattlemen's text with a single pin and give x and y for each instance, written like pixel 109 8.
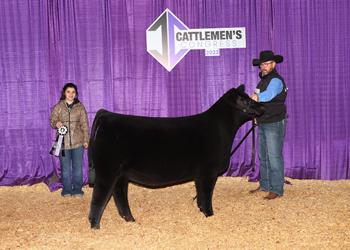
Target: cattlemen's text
pixel 208 35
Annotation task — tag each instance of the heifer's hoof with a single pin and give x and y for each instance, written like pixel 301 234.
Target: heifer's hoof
pixel 94 224
pixel 129 218
pixel 208 213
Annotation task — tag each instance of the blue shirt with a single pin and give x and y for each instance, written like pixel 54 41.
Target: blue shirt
pixel 273 89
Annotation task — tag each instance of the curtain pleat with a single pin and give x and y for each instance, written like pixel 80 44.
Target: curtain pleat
pixel 101 47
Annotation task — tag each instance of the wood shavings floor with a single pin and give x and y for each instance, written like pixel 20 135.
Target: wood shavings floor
pixel 312 214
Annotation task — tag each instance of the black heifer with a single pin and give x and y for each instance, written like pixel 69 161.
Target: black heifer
pixel 163 151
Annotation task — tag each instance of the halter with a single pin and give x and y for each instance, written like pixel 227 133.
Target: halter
pixel 252 129
pixel 245 110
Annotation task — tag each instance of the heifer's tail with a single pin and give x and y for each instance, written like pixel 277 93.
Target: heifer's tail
pixel 94 128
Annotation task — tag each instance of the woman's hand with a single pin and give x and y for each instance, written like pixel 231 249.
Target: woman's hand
pixel 59 124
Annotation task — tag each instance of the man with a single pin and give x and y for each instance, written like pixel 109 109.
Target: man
pixel 272 92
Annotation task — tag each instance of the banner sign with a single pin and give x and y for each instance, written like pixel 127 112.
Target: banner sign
pixel 169 40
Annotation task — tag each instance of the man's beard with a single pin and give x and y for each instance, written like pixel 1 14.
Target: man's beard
pixel 264 72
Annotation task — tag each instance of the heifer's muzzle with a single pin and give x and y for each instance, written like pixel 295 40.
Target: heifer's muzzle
pixel 253 112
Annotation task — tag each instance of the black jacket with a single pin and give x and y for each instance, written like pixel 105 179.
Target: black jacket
pixel 275 110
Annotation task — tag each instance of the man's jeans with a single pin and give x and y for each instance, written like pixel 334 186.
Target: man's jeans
pixel 271 159
pixel 75 156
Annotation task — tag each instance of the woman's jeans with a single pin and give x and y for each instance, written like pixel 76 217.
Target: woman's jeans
pixel 74 158
pixel 271 138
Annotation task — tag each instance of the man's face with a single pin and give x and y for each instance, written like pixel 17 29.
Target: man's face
pixel 267 67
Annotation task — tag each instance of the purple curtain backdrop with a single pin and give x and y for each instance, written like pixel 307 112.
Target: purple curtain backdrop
pixel 101 47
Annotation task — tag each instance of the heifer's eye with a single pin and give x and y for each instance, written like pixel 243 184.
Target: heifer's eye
pixel 242 101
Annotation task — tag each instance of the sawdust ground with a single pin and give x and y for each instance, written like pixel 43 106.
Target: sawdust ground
pixel 312 214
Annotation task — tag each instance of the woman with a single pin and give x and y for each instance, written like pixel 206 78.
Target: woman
pixel 71 112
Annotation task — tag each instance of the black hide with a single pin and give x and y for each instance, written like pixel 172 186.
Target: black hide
pixel 162 151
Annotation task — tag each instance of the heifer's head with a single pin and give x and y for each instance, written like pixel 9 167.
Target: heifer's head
pixel 239 99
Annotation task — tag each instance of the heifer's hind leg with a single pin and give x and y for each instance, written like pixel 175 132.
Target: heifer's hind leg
pixel 120 195
pixel 100 196
pixel 205 186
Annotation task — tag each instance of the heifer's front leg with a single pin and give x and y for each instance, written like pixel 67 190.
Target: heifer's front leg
pixel 205 186
pixel 120 195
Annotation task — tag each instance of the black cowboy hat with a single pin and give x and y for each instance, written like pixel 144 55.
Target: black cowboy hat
pixel 267 55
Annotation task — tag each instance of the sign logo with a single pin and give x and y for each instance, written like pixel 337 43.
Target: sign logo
pixel 169 40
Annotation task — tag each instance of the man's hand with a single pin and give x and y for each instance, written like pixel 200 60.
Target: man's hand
pixel 255 97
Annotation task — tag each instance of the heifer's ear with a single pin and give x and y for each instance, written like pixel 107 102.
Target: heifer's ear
pixel 241 88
